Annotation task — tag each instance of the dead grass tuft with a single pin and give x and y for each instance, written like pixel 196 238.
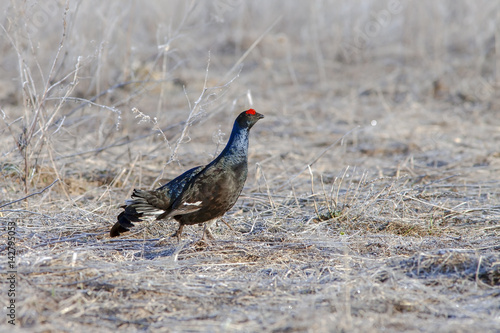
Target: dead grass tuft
pixel 455 264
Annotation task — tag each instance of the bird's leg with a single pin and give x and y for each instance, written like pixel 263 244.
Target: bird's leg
pixel 207 232
pixel 178 232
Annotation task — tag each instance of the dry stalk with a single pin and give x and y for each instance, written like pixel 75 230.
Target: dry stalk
pixel 312 191
pixel 29 196
pixel 193 109
pixel 268 189
pixel 254 44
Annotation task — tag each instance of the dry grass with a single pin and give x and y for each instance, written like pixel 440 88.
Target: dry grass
pixel 372 202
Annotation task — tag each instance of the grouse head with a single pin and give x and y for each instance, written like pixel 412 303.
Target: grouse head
pixel 248 118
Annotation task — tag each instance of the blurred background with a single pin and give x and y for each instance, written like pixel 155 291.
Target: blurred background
pixel 84 79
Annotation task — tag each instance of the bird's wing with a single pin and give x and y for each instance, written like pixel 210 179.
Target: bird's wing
pixel 190 198
pixel 183 209
pixel 175 187
pixel 160 200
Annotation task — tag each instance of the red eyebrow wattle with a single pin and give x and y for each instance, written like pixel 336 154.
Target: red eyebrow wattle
pixel 250 111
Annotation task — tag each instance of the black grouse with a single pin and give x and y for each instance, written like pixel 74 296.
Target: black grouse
pixel 200 194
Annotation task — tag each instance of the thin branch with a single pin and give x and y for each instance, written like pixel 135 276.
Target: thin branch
pixel 191 113
pixel 30 195
pixel 257 41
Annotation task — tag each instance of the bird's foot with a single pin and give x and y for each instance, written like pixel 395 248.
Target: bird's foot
pixel 178 233
pixel 207 234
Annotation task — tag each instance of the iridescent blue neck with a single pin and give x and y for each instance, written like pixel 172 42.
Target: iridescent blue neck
pixel 236 148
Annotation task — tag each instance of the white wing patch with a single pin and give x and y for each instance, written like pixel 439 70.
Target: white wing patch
pixel 197 203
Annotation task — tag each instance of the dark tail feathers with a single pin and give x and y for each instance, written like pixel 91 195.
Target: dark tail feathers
pixel 125 220
pixel 133 211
